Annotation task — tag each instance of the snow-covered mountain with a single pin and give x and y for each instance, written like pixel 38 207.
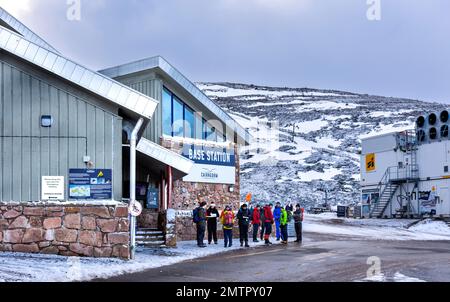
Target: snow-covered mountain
pixel 307 140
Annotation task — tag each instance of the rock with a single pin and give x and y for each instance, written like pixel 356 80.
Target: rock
pixel 88 223
pixel 50 250
pixel 5 247
pixel 65 235
pixel 50 235
pixel 68 254
pixel 36 222
pixel 62 248
pixel 107 225
pixel 101 212
pixel 123 226
pixel 26 248
pixel 118 238
pixel 20 222
pixel 121 251
pixel 72 210
pixel 44 244
pixel 72 221
pixel 52 223
pixel 102 252
pixel 121 211
pixel 91 238
pixel 11 214
pixel 33 211
pixel 33 235
pixel 3 224
pixel 13 236
pixel 82 249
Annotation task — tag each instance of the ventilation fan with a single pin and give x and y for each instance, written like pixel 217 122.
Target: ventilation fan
pixel 444 131
pixel 432 118
pixel 421 135
pixel 420 121
pixel 433 133
pixel 444 116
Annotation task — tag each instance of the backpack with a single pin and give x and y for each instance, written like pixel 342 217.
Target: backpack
pixel 289 216
pixel 228 219
pixel 195 216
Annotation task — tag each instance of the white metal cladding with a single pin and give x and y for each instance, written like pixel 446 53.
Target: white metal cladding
pixel 164 155
pixel 82 76
pixel 160 62
pixel 24 31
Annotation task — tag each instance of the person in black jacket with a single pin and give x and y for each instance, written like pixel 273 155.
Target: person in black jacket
pixel 243 218
pixel 212 214
pixel 298 221
pixel 200 221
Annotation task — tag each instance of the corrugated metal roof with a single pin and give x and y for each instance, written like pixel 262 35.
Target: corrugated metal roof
pixel 24 31
pixel 160 62
pixel 165 156
pixel 77 74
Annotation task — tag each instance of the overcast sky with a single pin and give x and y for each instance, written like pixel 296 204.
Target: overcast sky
pixel 298 43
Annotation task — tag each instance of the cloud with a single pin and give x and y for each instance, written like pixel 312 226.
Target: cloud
pixel 17 8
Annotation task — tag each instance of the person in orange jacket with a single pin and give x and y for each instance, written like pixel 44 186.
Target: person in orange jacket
pixel 227 220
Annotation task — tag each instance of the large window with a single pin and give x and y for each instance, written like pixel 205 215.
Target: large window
pixel 189 125
pixel 178 117
pixel 179 120
pixel 167 112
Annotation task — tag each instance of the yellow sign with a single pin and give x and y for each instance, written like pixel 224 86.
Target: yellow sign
pixel 370 162
pixel 100 174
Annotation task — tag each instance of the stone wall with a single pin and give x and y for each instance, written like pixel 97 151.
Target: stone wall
pixel 186 195
pixel 149 219
pixel 81 230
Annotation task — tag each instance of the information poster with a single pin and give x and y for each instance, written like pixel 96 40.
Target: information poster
pixel 52 188
pixel 90 184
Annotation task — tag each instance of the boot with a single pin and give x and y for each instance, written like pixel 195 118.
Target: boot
pixel 242 244
pixel 246 244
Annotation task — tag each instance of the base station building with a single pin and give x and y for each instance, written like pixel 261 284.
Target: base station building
pixel 74 141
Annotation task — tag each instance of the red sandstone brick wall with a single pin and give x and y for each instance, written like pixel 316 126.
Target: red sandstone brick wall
pixel 93 231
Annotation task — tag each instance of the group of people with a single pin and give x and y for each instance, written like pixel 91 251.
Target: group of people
pixel 262 218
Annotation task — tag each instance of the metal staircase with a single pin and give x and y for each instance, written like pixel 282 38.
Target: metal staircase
pixel 398 177
pixel 150 238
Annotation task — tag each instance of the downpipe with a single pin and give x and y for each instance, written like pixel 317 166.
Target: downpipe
pixel 133 142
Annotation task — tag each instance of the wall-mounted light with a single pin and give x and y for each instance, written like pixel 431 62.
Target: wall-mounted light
pixel 231 189
pixel 46 121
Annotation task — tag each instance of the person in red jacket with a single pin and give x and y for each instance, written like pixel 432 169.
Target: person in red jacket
pixel 256 221
pixel 268 221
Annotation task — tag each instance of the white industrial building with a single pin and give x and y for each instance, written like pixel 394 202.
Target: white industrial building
pixel 406 174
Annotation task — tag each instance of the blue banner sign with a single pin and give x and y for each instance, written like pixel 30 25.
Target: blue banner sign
pixel 90 184
pixel 210 156
pixel 152 198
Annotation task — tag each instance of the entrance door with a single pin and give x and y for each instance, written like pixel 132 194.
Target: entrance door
pixel 443 207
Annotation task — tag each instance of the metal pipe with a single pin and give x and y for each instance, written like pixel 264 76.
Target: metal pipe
pixel 133 142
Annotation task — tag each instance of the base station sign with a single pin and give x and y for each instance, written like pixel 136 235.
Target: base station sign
pixel 211 164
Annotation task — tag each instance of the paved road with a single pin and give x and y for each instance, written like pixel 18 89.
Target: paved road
pixel 319 258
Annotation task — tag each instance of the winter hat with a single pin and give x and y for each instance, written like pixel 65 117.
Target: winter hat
pixel 213 204
pixel 203 203
pixel 297 205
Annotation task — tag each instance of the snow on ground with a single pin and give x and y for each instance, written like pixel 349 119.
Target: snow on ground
pixel 18 267
pixel 328 174
pixel 327 105
pixel 376 229
pixel 310 126
pixel 223 91
pixel 385 129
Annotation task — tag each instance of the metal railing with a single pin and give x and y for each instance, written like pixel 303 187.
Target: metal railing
pixel 408 172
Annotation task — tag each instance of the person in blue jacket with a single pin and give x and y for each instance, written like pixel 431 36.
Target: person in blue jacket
pixel 277 216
